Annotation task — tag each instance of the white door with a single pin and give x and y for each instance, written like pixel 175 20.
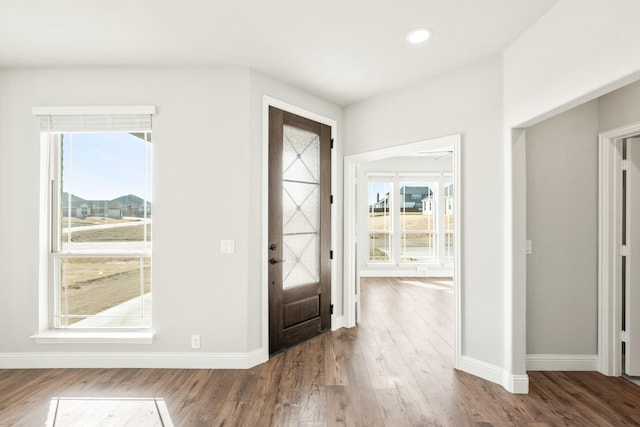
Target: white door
pixel 632 260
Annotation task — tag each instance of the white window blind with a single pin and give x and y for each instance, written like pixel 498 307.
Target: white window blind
pixel 95 119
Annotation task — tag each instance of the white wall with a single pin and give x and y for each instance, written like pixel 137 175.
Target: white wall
pixel 579 50
pixel 576 52
pixel 562 223
pixel 562 204
pixel 466 101
pixel 201 136
pixel 207 151
pixel 393 165
pixel 619 108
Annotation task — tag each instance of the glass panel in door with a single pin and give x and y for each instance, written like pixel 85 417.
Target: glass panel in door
pixel 300 207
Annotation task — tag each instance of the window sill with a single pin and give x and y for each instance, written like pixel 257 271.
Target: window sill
pixel 381 264
pixel 430 265
pixel 57 336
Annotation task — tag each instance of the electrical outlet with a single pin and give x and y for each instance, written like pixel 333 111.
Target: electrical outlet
pixel 195 341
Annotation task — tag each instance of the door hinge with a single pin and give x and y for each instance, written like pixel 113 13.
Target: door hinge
pixel 331 309
pixel 330 254
pixel 624 250
pixel 331 142
pixel 332 199
pixel 624 165
pixel 624 336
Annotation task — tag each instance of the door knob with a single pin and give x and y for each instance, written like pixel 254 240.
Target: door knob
pixel 273 247
pixel 274 261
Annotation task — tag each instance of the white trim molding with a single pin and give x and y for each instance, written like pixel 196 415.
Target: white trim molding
pixel 67 336
pixel 562 362
pixel 518 384
pixel 373 272
pixel 337 322
pixel 159 360
pixel 609 274
pixel 93 110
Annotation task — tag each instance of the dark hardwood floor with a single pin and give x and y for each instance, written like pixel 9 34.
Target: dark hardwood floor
pixel 394 369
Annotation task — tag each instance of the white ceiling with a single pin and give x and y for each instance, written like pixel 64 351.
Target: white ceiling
pixel 342 50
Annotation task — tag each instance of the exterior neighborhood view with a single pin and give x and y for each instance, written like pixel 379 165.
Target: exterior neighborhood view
pixel 103 257
pixel 420 222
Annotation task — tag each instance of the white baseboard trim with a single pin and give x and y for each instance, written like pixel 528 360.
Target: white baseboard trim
pixel 562 362
pixel 257 357
pixel 195 360
pixel 337 322
pixel 518 384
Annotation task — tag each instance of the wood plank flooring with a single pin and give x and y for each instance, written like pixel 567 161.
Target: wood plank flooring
pixel 394 369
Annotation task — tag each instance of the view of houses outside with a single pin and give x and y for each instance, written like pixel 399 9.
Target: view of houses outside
pixel 418 228
pixel 417 225
pixel 448 222
pixel 379 222
pixel 104 230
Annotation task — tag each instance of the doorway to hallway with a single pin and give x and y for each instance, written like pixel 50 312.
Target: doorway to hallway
pixel 355 247
pixel 618 254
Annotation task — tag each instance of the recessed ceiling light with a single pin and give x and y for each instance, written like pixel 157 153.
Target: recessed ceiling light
pixel 419 35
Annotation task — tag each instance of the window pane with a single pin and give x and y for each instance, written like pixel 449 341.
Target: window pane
pixel 417 247
pixel 418 214
pixel 448 221
pixel 448 247
pixel 380 221
pixel 379 247
pixel 105 191
pixel 300 207
pixel 104 292
pixel 379 205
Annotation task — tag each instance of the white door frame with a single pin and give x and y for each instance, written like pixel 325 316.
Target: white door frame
pixel 609 243
pixel 351 269
pixel 267 102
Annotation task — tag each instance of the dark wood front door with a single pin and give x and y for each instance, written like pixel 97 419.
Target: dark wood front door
pixel 299 229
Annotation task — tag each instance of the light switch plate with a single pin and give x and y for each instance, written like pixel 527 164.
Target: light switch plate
pixel 227 246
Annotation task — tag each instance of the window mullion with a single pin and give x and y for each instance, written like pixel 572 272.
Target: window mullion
pixel 394 211
pixel 440 221
pixel 55 187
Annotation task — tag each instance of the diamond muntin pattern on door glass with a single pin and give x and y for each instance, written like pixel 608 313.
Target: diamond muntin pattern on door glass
pixel 300 206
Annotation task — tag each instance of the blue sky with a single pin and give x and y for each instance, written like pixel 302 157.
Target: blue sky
pixel 103 166
pixel 377 187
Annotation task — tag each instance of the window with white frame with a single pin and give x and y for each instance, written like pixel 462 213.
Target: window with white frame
pixel 416 224
pixel 448 196
pixel 380 224
pixel 100 208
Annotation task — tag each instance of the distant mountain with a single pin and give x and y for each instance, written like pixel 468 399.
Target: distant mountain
pixel 74 199
pixel 128 200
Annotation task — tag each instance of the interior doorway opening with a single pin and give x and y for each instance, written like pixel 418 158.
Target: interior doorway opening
pixel 619 236
pixel 630 239
pixel 412 241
